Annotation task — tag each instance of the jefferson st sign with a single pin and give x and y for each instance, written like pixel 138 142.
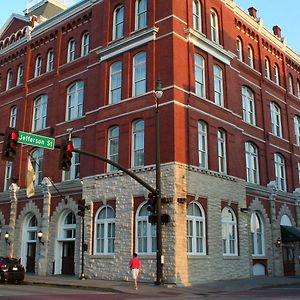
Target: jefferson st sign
pixel 36 140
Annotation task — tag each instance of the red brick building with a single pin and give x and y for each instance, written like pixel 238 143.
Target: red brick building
pixel 229 140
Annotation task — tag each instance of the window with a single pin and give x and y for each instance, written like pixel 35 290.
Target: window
pixel 298 88
pixel 139 74
pixel 297 130
pixel 229 232
pixel 222 151
pixel 267 68
pixel 214 27
pixel 75 162
pixel 39 113
pixel 9 80
pixel 137 143
pixel 20 75
pixel 71 50
pixel 13 117
pixel 105 231
pixel 291 84
pixel 37 158
pixel 118 23
pixel 257 234
pixel 145 238
pixel 280 171
pixel 195 223
pixel 276 74
pixel 239 49
pixel 218 85
pixel 248 105
pixel 50 60
pixel 276 119
pixel 38 66
pixel 115 86
pixel 85 44
pixel 67 229
pixel 299 172
pixel 252 163
pixel 113 147
pixel 199 76
pixel 250 57
pixel 140 14
pixel 8 174
pixel 202 144
pixel 75 101
pixel 197 15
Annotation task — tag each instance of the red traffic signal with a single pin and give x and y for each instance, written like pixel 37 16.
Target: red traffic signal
pixel 65 158
pixel 10 143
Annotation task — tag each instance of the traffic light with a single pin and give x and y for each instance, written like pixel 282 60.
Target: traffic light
pixel 65 158
pixel 10 143
pixel 151 203
pixel 81 208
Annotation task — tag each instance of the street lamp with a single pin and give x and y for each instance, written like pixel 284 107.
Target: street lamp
pixel 158 95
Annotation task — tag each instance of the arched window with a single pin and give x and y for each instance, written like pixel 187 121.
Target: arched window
pixel 67 230
pixel 113 147
pixel 137 143
pixel 71 50
pixel 37 160
pixel 229 232
pixel 276 119
pixel 297 129
pixel 20 75
pixel 115 85
pixel 13 116
pixel 50 60
pixel 38 66
pixel 218 85
pixel 267 68
pixel 276 74
pixel 298 88
pixel 75 100
pixel 257 234
pixel 9 79
pixel 118 23
pixel 291 84
pixel 85 44
pixel 75 162
pixel 140 14
pixel 202 144
pixel 196 237
pixel 105 231
pixel 139 74
pixel 248 105
pixel 222 161
pixel 239 49
pixel 39 113
pixel 199 76
pixel 214 26
pixel 250 57
pixel 252 163
pixel 197 15
pixel 145 237
pixel 8 174
pixel 280 173
pixel 285 220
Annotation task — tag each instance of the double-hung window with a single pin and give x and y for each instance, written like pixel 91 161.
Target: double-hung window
pixel 291 85
pixel 267 68
pixel 118 23
pixel 115 89
pixel 9 80
pixel 20 75
pixel 71 50
pixel 252 163
pixel 137 143
pixel 202 144
pixel 140 14
pixel 248 105
pixel 8 174
pixel 75 100
pixel 229 232
pixel 199 76
pixel 37 159
pixel 280 173
pixel 85 44
pixel 222 161
pixel 139 74
pixel 218 86
pixel 239 49
pixel 197 15
pixel 276 119
pixel 276 74
pixel 250 57
pixel 113 147
pixel 297 130
pixel 38 66
pixel 13 117
pixel 50 60
pixel 214 27
pixel 257 234
pixel 39 113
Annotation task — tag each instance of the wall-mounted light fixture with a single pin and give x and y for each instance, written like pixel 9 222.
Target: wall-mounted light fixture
pixel 6 236
pixel 40 235
pixel 278 242
pixel 244 209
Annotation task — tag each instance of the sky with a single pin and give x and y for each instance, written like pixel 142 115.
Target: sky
pixel 285 14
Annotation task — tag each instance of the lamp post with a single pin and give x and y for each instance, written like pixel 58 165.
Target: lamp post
pixel 158 95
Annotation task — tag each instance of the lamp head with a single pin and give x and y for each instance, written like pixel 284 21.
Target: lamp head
pixel 158 89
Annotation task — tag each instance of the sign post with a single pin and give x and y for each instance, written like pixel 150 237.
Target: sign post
pixel 36 140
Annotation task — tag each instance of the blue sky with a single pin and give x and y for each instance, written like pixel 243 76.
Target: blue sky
pixel 285 14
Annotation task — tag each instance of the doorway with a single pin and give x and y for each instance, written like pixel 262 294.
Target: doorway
pixel 68 249
pixel 288 260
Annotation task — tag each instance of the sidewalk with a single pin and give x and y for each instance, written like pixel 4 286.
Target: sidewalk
pixel 163 290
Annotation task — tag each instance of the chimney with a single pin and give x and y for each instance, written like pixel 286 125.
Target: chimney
pixel 277 31
pixel 252 12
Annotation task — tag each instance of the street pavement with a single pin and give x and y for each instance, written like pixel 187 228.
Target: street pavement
pixel 165 290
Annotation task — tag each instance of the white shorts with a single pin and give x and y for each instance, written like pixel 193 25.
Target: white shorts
pixel 135 273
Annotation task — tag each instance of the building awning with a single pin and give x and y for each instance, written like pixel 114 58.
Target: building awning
pixel 289 234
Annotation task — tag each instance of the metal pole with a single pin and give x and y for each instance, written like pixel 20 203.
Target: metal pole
pixel 82 276
pixel 159 279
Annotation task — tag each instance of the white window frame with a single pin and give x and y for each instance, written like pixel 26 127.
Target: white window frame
pixel 257 234
pixel 75 162
pixel 39 117
pixel 113 147
pixel 50 60
pixel 118 23
pixel 222 160
pixel 197 19
pixel 71 50
pixel 139 73
pixel 138 143
pixel 38 66
pixel 298 172
pixel 267 68
pixel 214 26
pixel 297 129
pixel 196 229
pixel 239 49
pixel 20 75
pixel 140 14
pixel 85 44
pixel 250 57
pixel 248 105
pixel 37 160
pixel 115 82
pixel 13 116
pixel 65 227
pixel 9 80
pixel 276 74
pixel 75 94
pixel 202 145
pixel 199 76
pixel 230 242
pixel 291 85
pixel 280 172
pixel 276 119
pixel 298 88
pixel 104 231
pixel 252 163
pixel 8 175
pixel 218 85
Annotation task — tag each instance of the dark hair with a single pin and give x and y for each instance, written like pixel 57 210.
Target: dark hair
pixel 134 254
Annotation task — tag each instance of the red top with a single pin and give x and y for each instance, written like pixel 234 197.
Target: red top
pixel 134 263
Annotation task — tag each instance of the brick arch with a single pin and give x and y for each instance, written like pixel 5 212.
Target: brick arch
pixel 285 210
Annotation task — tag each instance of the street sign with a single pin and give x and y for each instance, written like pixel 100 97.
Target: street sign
pixel 36 140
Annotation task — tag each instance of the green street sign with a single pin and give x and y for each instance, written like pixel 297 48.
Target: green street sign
pixel 36 140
